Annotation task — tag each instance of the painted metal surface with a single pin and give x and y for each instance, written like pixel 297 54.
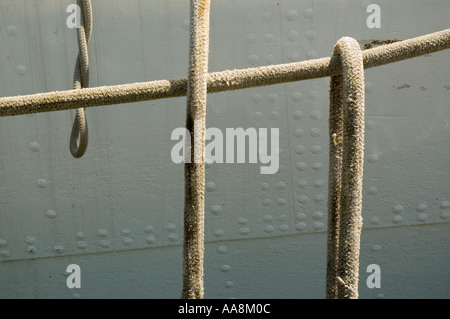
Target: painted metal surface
pixel 117 212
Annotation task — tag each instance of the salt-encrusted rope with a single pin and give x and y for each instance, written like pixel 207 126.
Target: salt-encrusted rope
pixel 79 135
pixel 194 202
pixel 220 81
pixel 346 129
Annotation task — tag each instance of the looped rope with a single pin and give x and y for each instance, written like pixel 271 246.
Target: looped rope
pixel 79 134
pixel 346 129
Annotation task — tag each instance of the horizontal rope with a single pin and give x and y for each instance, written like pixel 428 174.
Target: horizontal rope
pixel 219 81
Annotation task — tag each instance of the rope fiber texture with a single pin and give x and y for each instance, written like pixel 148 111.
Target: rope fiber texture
pixel 346 129
pixel 194 172
pixel 79 134
pixel 220 81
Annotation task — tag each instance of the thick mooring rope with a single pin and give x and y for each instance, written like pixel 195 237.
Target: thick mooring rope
pixel 79 134
pixel 219 81
pixel 346 129
pixel 194 172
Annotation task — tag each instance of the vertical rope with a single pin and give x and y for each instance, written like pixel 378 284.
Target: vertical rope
pixel 346 172
pixel 194 209
pixel 79 134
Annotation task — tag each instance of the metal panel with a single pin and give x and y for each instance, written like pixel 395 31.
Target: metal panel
pixel 117 212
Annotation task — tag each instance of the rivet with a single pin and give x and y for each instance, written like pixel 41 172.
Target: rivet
pixel 210 186
pixel 244 231
pixel 372 190
pixel 80 235
pixel 171 227
pixel 31 249
pixel 149 229
pixel 242 220
pixel 317 215
pixel 150 239
pixel 398 209
pixel 317 166
pixel 303 199
pixel 300 149
pixel 219 233
pixel 3 243
pixel 274 115
pixel 102 232
pixel 310 35
pixel 34 146
pixel 316 149
pixel 282 201
pixel 127 241
pixel 216 209
pixel 445 205
pixel 319 198
pixel 269 229
pixel 297 96
pixel 300 216
pixel 315 132
pixel 256 98
pixel 265 186
pixel 251 38
pixel 105 243
pixel 292 35
pixel 266 202
pixel 294 57
pixel 253 59
pixel 172 237
pixel 376 248
pixel 258 116
pixel 422 217
pixel 225 268
pixel 42 183
pixel 30 240
pixel 300 226
pixel 308 13
pixel 82 244
pixel 58 249
pixel 319 183
pixel 21 70
pixel 4 253
pixel 76 296
pixel 397 219
pixel 318 225
pixel 297 114
pixel 222 249
pixel 302 183
pixel 229 284
pixel 372 158
pixel 291 15
pixel 268 218
pixel 421 207
pixel 51 213
pixel 281 186
pixel 283 228
pixel 301 166
pixel 374 220
pixel 368 86
pixel 315 114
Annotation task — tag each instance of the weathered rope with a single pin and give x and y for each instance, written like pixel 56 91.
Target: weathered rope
pixel 79 134
pixel 346 129
pixel 194 202
pixel 220 81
